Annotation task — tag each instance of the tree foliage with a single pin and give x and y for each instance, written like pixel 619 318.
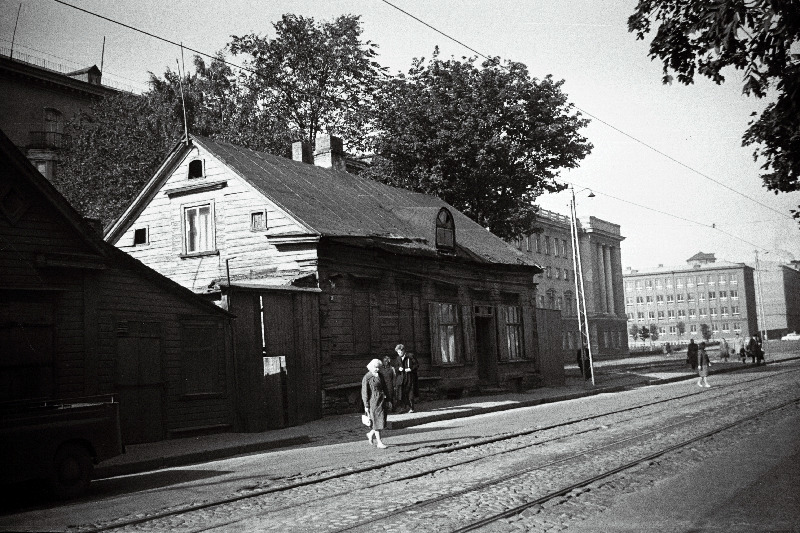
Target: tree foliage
pixel 654 334
pixel 633 330
pixel 114 148
pixel 317 76
pixel 644 333
pixel 488 140
pixel 753 36
pixel 705 331
pixel 681 328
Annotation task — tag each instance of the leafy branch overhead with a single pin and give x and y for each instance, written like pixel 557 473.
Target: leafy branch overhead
pixel 759 38
pixel 488 140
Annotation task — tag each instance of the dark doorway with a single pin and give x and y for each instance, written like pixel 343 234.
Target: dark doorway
pixel 138 381
pixel 486 346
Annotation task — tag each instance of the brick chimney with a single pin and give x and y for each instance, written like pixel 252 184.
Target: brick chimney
pixel 301 151
pixel 329 152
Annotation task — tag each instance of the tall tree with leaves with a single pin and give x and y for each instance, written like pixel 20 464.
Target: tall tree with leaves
pixel 487 139
pixel 317 76
pixel 116 147
pixel 757 37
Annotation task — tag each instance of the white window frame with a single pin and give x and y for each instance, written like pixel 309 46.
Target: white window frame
pixel 185 208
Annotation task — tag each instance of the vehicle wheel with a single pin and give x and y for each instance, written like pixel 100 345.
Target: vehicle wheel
pixel 72 471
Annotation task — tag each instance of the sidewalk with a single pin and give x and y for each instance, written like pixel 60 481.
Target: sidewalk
pixel 610 376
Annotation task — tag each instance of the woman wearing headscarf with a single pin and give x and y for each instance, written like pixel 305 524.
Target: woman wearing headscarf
pixel 702 366
pixel 373 394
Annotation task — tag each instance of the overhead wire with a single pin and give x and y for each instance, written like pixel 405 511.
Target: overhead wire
pixel 663 154
pixel 712 226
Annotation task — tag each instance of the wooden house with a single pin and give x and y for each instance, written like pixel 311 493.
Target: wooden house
pixel 78 318
pixel 326 270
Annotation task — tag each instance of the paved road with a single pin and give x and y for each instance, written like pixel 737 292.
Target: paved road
pixel 143 494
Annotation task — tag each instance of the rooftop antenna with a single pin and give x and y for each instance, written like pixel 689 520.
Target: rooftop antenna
pixel 14 35
pixel 183 102
pixel 102 54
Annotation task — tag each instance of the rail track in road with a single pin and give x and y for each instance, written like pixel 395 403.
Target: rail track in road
pixel 481 448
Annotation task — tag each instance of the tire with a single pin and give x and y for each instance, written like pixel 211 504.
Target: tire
pixel 72 471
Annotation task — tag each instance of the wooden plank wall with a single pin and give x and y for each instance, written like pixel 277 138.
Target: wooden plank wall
pixel 247 253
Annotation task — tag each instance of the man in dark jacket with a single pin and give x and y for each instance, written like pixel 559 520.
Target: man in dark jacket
pixel 691 354
pixel 583 362
pixel 407 366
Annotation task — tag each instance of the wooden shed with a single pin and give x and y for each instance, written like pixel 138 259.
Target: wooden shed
pixel 78 317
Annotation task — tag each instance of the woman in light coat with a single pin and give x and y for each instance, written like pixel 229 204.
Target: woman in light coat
pixel 373 394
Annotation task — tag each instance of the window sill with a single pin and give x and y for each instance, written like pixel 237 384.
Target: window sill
pixel 199 254
pixel 202 396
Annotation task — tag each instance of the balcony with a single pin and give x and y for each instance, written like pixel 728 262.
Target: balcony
pixel 46 140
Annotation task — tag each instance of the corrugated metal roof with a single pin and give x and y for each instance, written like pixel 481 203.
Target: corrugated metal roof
pixel 338 204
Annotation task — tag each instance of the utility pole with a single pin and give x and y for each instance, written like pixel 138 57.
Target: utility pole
pixel 580 296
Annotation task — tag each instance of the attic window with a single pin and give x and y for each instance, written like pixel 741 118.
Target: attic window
pixel 258 220
pixel 139 236
pixel 196 169
pixel 445 231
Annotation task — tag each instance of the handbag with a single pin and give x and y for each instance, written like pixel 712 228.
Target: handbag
pixel 366 421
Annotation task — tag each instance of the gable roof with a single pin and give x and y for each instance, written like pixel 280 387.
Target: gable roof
pixel 14 162
pixel 336 204
pixel 700 256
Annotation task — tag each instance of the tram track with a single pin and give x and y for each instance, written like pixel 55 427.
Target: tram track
pixel 718 392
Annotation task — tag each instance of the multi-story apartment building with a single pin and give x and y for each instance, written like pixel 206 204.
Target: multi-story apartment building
pixel 678 301
pixel 601 264
pixel 37 101
pixel 778 295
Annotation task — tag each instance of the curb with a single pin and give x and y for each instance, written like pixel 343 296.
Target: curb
pixel 221 453
pixel 195 457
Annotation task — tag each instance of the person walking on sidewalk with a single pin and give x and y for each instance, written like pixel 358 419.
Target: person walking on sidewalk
pixel 691 354
pixel 373 394
pixel 703 364
pixel 583 361
pixel 407 376
pixel 724 351
pixel 752 348
pixel 738 348
pixel 389 374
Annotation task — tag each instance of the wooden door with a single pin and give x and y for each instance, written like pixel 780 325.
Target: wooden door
pixel 139 385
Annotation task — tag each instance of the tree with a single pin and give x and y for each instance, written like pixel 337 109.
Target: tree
pixel 634 331
pixel 112 152
pixel 644 333
pixel 681 328
pixel 698 36
pixel 317 76
pixel 705 331
pixel 653 333
pixel 114 149
pixel 488 140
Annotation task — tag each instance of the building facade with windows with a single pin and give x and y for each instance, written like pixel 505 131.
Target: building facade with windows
pixel 778 294
pixel 36 102
pixel 326 270
pixel 601 263
pixel 680 302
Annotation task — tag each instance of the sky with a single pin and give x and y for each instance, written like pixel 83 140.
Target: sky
pixel 658 149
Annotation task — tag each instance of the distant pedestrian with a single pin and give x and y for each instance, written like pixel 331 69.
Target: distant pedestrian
pixel 703 364
pixel 373 394
pixel 407 376
pixel 389 375
pixel 738 348
pixel 691 354
pixel 724 351
pixel 753 348
pixel 584 365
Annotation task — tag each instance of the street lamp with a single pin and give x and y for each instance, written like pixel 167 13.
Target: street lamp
pixel 580 296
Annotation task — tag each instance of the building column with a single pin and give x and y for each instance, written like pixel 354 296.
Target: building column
pixel 601 282
pixel 609 278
